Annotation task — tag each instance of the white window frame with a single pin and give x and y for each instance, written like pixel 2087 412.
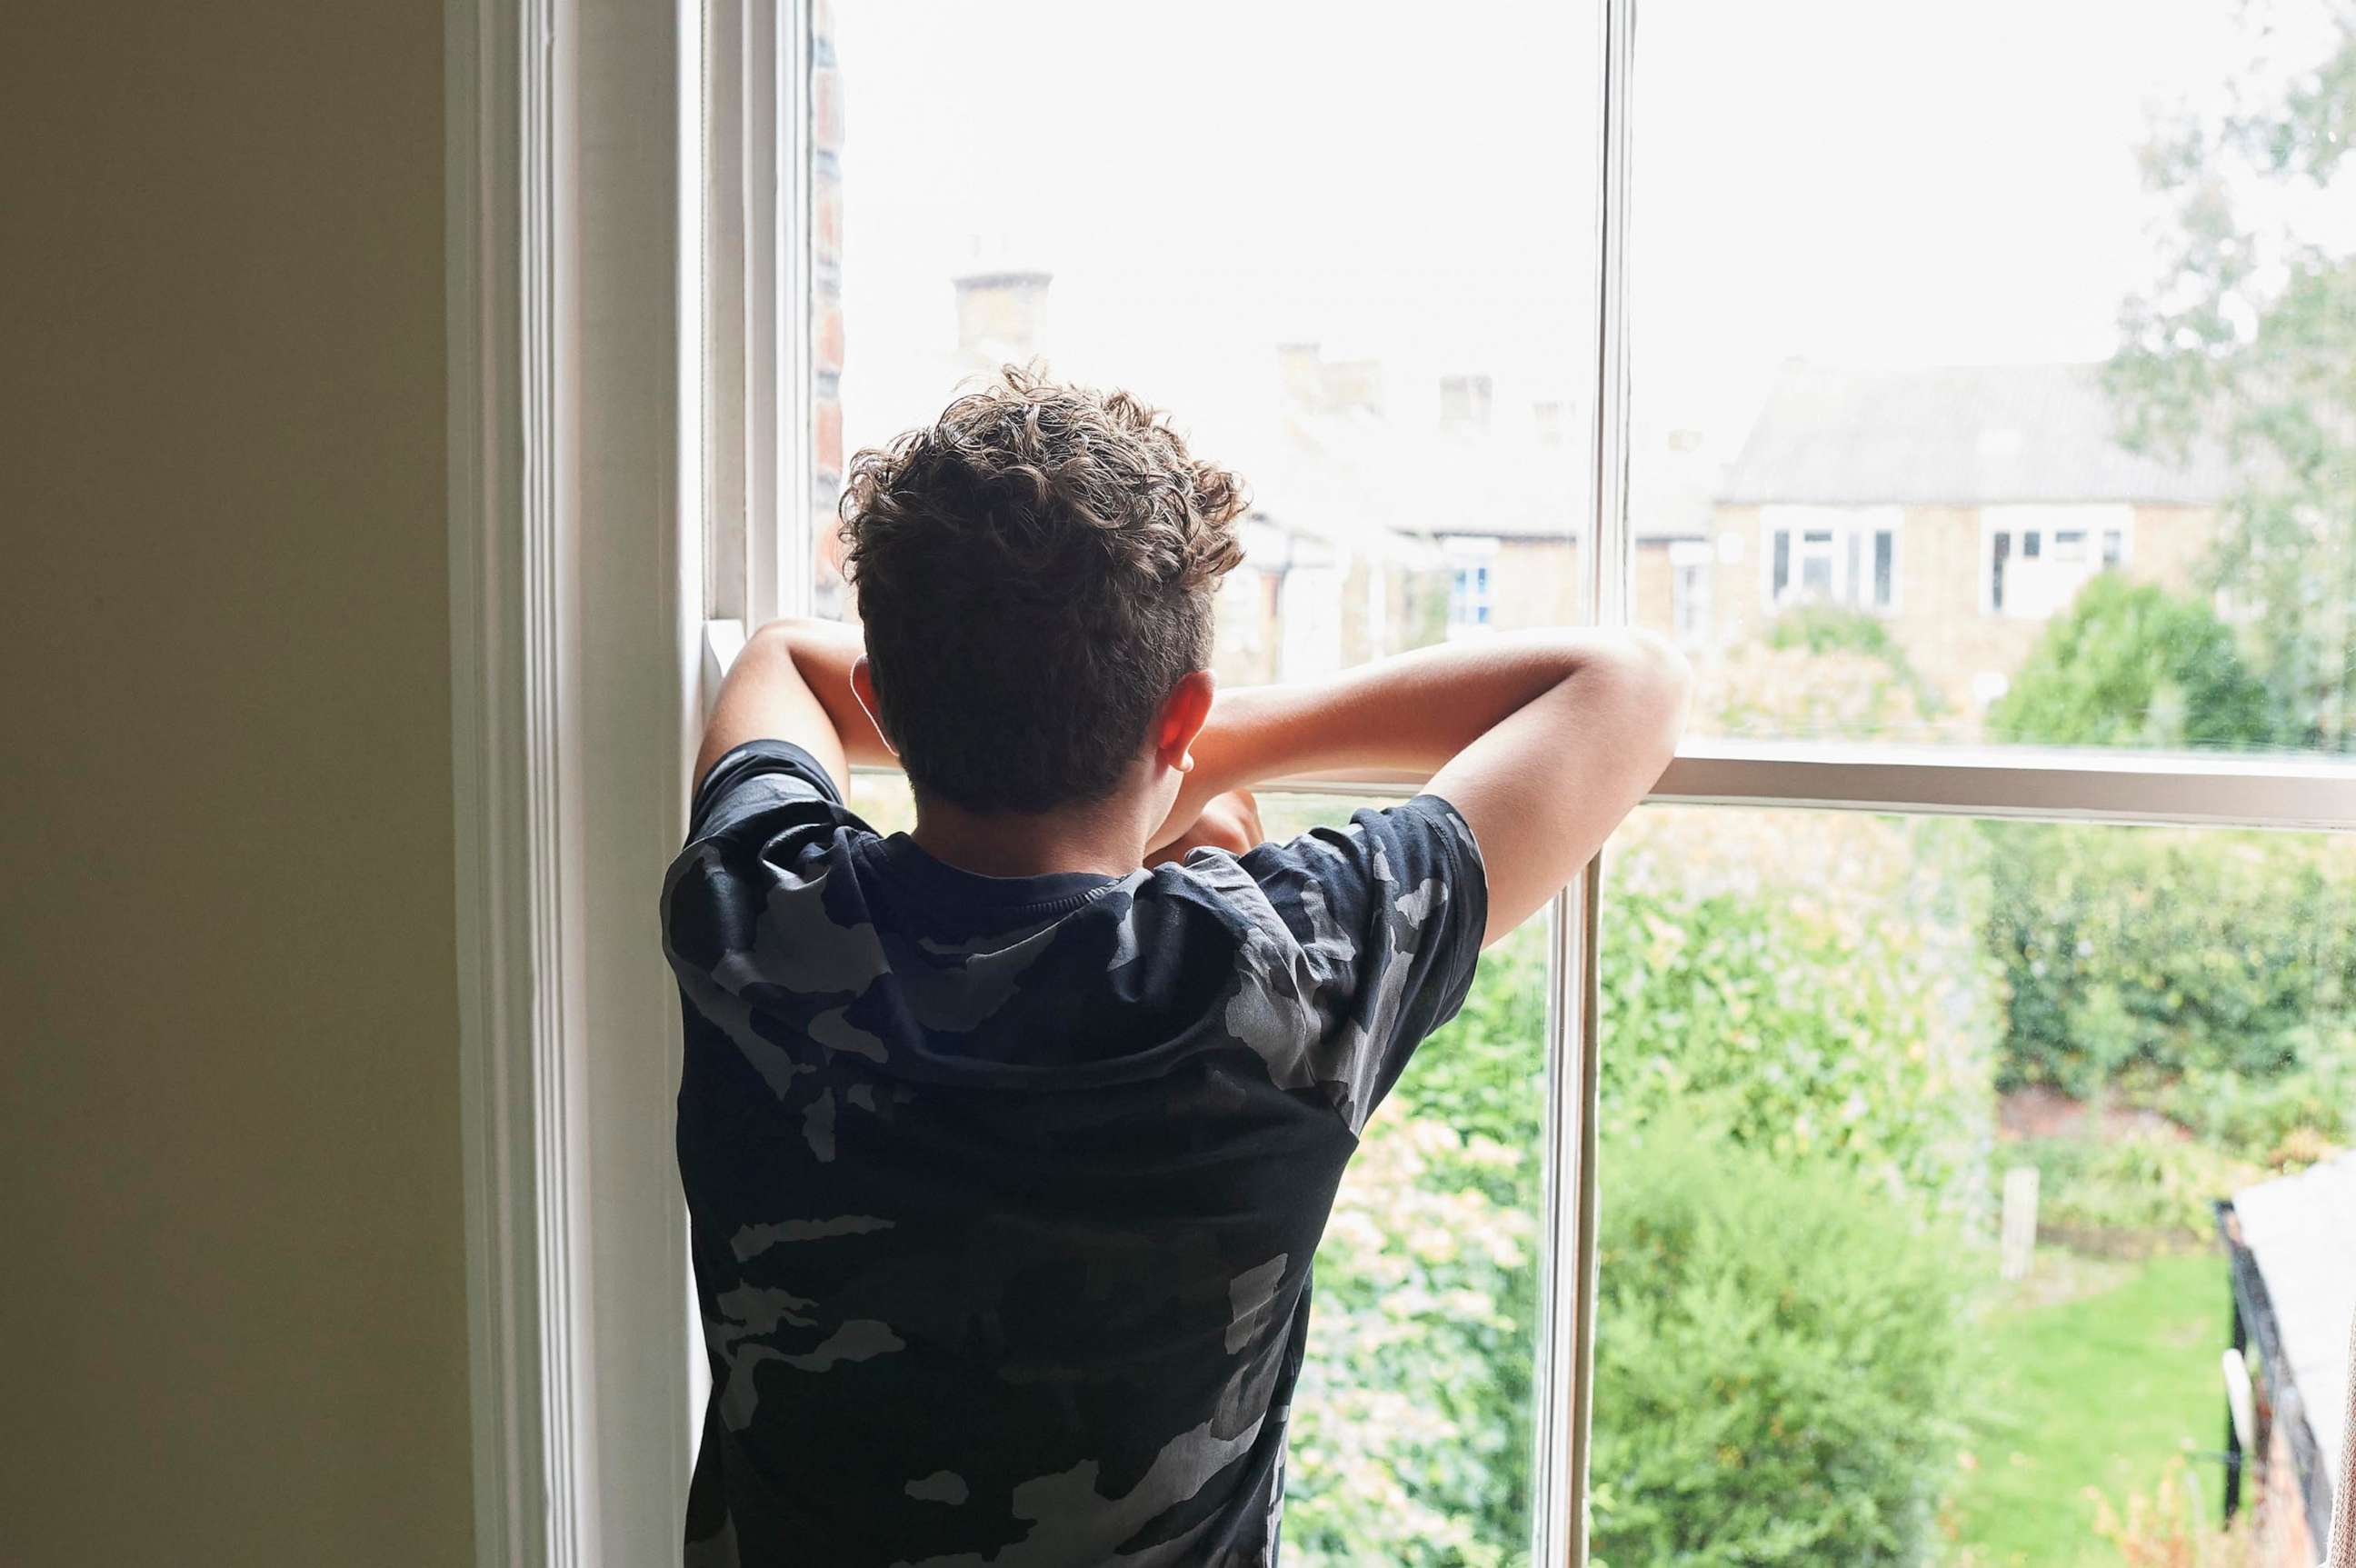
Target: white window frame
pixel 1851 534
pixel 1693 568
pixel 582 406
pixel 1467 554
pixel 2098 520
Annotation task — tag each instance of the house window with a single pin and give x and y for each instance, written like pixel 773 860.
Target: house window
pixel 2034 559
pixel 1691 562
pixel 1844 556
pixel 1472 592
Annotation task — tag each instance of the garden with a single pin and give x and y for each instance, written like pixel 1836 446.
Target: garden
pixel 1824 1040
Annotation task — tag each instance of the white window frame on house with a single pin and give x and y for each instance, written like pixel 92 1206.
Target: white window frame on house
pixel 2096 524
pixel 1693 563
pixel 1472 583
pixel 610 214
pixel 1848 539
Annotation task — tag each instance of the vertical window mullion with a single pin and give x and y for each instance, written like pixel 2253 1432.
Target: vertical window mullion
pixel 722 256
pixel 767 310
pixel 1567 1327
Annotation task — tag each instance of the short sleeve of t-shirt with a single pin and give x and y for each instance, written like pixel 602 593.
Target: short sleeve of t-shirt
pixel 1388 914
pixel 764 778
pixel 760 807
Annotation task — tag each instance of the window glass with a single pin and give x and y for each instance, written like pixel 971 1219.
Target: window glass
pixel 2090 352
pixel 1828 1040
pixel 1319 247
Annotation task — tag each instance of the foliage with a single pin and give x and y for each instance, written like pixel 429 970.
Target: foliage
pixel 2170 1527
pixel 2139 956
pixel 1411 1429
pixel 2244 339
pixel 2132 664
pixel 2134 1194
pixel 1754 981
pixel 1832 629
pixel 1778 1358
pixel 2285 1123
pixel 1763 688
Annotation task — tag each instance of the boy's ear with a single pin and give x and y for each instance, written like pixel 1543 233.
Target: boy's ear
pixel 1181 718
pixel 862 686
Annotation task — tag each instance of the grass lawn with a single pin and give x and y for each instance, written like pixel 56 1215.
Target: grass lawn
pixel 2099 1374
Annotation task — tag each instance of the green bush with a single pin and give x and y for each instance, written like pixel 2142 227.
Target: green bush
pixel 1792 1010
pixel 2133 664
pixel 2291 1120
pixel 2130 1195
pixel 1411 1438
pixel 2141 957
pixel 1778 1359
pixel 1828 629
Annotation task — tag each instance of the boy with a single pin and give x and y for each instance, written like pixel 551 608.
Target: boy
pixel 1007 1142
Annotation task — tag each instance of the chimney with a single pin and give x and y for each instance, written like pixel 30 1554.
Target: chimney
pixel 999 313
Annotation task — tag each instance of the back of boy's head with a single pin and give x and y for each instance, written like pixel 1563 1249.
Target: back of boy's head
pixel 1036 572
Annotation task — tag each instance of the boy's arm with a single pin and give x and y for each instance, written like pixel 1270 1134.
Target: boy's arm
pixel 1543 741
pixel 792 683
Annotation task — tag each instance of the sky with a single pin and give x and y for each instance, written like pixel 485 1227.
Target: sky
pixel 1853 181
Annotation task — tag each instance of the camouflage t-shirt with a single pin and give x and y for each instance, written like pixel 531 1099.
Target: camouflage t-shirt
pixel 1003 1190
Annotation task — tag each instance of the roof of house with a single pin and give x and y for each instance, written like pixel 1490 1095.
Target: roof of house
pixel 1954 436
pixel 2301 1229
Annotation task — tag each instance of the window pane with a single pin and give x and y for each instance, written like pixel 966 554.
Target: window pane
pixel 2120 313
pixel 1321 248
pixel 1827 1041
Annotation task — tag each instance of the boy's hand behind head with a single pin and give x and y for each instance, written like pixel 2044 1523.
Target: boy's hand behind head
pixel 1229 821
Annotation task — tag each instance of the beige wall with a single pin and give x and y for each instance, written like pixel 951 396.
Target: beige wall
pixel 232 1288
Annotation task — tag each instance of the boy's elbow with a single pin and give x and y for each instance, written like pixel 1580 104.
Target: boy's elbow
pixel 1656 680
pixel 1664 660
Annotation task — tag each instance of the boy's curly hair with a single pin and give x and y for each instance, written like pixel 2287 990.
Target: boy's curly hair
pixel 1035 571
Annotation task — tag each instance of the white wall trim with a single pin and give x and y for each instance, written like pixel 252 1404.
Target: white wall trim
pixel 502 771
pixel 567 584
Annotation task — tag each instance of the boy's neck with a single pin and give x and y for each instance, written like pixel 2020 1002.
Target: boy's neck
pixel 1106 839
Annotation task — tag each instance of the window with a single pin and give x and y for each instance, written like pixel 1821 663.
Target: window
pixel 1841 557
pixel 1472 605
pixel 1690 564
pixel 2035 559
pixel 1811 958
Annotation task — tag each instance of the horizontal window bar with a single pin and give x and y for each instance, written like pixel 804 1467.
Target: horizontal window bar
pixel 2224 789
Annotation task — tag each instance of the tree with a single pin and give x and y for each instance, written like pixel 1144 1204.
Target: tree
pixel 2248 338
pixel 2133 664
